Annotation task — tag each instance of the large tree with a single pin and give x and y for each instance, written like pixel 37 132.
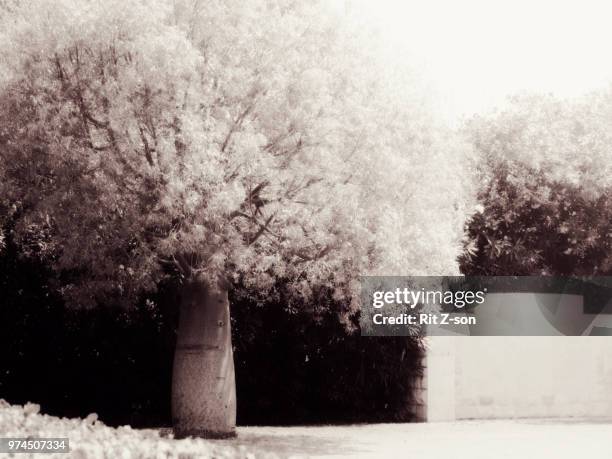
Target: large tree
pixel 546 174
pixel 258 142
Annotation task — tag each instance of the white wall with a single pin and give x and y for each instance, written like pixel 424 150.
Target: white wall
pixel 505 377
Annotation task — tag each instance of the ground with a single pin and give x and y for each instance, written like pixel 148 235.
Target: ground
pixel 504 439
pixel 508 439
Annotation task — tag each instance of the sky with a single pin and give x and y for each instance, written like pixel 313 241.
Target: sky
pixel 477 52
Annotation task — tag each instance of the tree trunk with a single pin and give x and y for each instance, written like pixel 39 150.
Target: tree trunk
pixel 203 381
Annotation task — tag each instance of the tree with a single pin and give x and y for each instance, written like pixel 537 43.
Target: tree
pixel 218 142
pixel 546 180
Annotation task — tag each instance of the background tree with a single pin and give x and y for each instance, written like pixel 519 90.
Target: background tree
pixel 218 142
pixel 546 180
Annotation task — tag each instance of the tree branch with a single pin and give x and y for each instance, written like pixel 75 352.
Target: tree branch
pixel 237 123
pixel 143 137
pixel 263 228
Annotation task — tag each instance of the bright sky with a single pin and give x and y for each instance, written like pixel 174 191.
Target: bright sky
pixel 479 51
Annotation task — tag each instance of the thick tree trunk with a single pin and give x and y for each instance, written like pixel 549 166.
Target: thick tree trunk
pixel 203 381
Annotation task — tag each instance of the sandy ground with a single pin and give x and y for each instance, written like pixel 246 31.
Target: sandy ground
pixel 517 439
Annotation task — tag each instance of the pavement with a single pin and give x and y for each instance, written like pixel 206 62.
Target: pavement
pixel 494 439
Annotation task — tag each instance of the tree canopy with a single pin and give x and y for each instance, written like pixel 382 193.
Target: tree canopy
pixel 546 174
pixel 255 141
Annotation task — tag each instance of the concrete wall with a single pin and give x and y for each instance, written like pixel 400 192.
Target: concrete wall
pixel 506 377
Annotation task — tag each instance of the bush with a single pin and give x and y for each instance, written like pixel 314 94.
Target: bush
pixel 296 367
pixel 521 232
pixel 545 172
pixel 292 367
pixel 108 361
pixel 90 438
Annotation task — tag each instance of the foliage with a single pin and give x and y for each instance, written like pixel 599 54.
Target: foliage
pixel 85 357
pixel 302 366
pixel 283 358
pixel 546 180
pixel 258 141
pixel 91 439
